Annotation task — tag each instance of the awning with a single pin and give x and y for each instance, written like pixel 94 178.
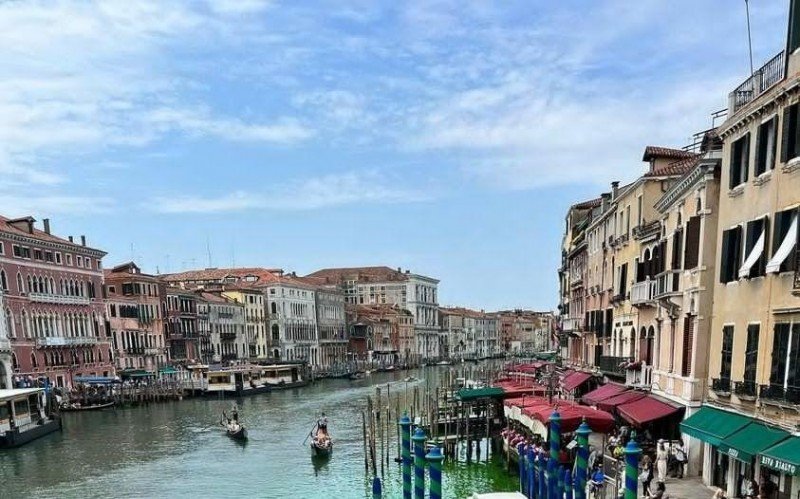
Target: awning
pixel 783 457
pixel 751 440
pixel 95 380
pixel 645 410
pixel 713 425
pixel 604 392
pixel 477 393
pixel 575 380
pixel 755 254
pixel 785 248
pixel 623 398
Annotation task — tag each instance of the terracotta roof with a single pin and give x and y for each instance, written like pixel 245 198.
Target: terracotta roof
pixel 214 298
pixel 36 233
pixel 585 205
pixel 651 152
pixel 374 274
pixel 218 274
pixel 679 167
pixel 467 312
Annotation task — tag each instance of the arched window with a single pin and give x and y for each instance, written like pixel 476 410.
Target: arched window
pixel 12 333
pixel 20 285
pixel 3 280
pixel 34 364
pixel 26 325
pixel 276 334
pixel 41 285
pixel 52 286
pixel 14 363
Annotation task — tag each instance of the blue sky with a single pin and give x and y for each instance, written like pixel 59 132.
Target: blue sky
pixel 448 137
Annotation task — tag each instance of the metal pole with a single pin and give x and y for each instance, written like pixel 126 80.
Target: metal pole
pixel 435 459
pixel 749 39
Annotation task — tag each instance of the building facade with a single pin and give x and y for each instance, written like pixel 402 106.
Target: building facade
pixel 5 348
pixel 332 327
pixel 525 331
pixel 227 327
pixel 53 304
pixel 179 312
pixel 292 314
pixel 255 314
pixel 134 317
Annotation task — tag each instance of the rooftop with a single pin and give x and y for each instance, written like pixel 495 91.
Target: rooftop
pixel 258 274
pixel 657 152
pixel 374 274
pixel 25 227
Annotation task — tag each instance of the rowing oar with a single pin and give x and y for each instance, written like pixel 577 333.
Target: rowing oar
pixel 309 434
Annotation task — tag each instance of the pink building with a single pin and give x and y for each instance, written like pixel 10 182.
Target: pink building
pixel 53 303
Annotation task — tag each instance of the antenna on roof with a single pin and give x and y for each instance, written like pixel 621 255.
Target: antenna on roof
pixel 749 39
pixel 208 250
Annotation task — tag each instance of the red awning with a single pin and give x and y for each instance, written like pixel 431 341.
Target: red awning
pixel 603 393
pixel 612 403
pixel 571 415
pixel 575 380
pixel 645 410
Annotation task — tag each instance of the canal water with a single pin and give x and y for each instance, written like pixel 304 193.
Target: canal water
pixel 178 449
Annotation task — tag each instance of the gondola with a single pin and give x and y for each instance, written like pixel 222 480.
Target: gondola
pixel 356 376
pixel 236 431
pixel 67 407
pixel 321 447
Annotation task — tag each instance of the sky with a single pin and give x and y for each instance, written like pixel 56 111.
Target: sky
pixel 447 137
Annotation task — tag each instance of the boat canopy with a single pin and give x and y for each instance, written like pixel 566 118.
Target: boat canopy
pixel 95 380
pixel 17 393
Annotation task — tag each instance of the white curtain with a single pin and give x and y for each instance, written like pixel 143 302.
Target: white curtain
pixel 785 248
pixel 753 257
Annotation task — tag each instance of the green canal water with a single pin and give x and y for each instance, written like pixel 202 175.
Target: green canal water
pixel 177 450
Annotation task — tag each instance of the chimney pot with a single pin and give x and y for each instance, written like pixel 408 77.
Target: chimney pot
pixel 614 189
pixel 70 239
pixel 83 240
pixel 46 222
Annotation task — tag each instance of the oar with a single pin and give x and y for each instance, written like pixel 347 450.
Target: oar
pixel 309 434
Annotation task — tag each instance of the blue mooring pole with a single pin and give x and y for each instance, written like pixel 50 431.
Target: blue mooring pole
pixel 435 459
pixel 405 437
pixel 419 463
pixel 376 488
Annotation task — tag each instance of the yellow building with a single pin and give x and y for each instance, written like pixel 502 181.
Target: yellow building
pixel 255 318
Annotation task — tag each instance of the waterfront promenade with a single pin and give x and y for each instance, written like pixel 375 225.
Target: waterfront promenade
pixel 176 449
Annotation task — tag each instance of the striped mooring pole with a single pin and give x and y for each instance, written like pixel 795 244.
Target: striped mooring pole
pixel 419 463
pixel 405 437
pixel 555 435
pixel 568 484
pixel 632 453
pixel 552 479
pixel 542 475
pixel 561 483
pixel 530 472
pixel 521 466
pixel 376 488
pixel 435 459
pixel 582 460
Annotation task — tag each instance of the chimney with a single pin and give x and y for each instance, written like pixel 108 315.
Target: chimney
pixel 46 222
pixel 614 189
pixel 83 240
pixel 399 270
pixel 70 239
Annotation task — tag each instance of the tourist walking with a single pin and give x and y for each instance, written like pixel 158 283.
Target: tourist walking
pixel 646 475
pixel 662 456
pixel 680 458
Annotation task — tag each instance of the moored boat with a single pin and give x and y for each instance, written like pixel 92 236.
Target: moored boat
pixel 74 407
pixel 25 417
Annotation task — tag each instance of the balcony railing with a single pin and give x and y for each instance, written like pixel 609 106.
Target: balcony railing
pixel 228 335
pixel 745 389
pixel 780 393
pixel 59 299
pixel 647 231
pixel 643 292
pixel 614 365
pixel 572 324
pixel 641 376
pixel 762 79
pixel 60 341
pixel 722 386
pixel 667 283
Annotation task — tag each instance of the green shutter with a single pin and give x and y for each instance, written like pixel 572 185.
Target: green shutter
pixel 745 167
pixel 786 134
pixel 724 264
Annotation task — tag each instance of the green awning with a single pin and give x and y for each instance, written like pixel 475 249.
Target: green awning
pixel 167 370
pixel 476 393
pixel 783 457
pixel 751 440
pixel 713 425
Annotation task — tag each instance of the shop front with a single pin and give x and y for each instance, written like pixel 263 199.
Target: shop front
pixel 781 465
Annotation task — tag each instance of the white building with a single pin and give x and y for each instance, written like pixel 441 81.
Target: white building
pixel 292 313
pixel 5 347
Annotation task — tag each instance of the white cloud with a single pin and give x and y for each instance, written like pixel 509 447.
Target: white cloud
pixel 325 191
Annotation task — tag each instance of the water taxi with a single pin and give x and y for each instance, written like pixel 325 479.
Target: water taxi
pixel 24 416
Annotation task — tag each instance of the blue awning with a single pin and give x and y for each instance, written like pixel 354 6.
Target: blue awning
pixel 95 380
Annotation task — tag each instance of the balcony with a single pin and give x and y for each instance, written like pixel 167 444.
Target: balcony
pixel 643 293
pixel 227 357
pixel 153 351
pixel 59 299
pixel 228 335
pixel 721 386
pixel 572 324
pixel 647 231
pixel 134 351
pixel 762 79
pixel 639 376
pixel 745 390
pixel 60 341
pixel 668 283
pixel 780 394
pixel 613 365
pixel 5 345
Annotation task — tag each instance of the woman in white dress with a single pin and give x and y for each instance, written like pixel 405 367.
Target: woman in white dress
pixel 662 455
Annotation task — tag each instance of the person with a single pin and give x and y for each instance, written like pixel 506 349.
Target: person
pixel 662 455
pixel 680 458
pixel 235 413
pixel 748 488
pixel 767 489
pixel 322 422
pixel 720 494
pixel 596 481
pixel 659 492
pixel 647 474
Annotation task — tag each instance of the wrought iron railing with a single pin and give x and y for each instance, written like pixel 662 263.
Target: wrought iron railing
pixel 609 364
pixel 647 230
pixel 745 388
pixel 721 385
pixel 780 393
pixel 759 82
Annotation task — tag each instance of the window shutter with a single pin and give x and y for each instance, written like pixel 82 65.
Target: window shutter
pixel 733 171
pixel 794 358
pixel 677 249
pixel 688 340
pixel 786 134
pixel 745 167
pixel 760 156
pixel 736 251
pixel 692 253
pixel 724 264
pixel 774 142
pixel 780 344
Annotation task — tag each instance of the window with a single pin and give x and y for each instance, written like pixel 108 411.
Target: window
pixel 623 279
pixel 727 352
pixel 3 280
pixel 731 254
pixel 756 261
pixel 740 153
pixel 790 145
pixel 69 260
pixel 677 249
pixel 784 243
pixel 37 254
pixel 688 345
pixel 766 146
pixel 48 256
pixel 751 353
pixel 58 258
pixel 692 253
pixel 785 356
pixel 79 261
pixel 17 251
pixel 2 249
